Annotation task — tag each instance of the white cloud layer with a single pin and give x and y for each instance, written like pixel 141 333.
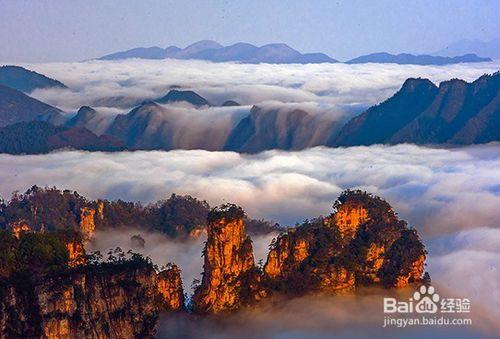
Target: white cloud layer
pixel 128 82
pixel 320 317
pixel 450 195
pixel 437 190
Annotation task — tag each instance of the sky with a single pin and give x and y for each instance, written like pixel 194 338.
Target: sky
pixel 73 30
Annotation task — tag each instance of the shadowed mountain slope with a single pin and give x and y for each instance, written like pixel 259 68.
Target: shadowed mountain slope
pixel 25 80
pixel 456 112
pixel 36 137
pixel 15 106
pixel 279 128
pixel 380 122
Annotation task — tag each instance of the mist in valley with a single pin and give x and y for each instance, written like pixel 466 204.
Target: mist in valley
pixel 450 195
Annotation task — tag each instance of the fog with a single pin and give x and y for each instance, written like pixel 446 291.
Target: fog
pixel 450 195
pixel 119 85
pixel 437 190
pixel 345 316
pixel 162 250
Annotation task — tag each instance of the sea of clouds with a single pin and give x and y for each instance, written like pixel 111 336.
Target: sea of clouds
pixel 452 196
pixel 115 87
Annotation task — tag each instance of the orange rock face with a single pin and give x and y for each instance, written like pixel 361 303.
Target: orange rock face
pixel 76 253
pixel 170 288
pixel 348 218
pixel 228 277
pixel 19 226
pixel 87 222
pixel 288 254
pixel 121 302
pixel 362 243
pixel 414 275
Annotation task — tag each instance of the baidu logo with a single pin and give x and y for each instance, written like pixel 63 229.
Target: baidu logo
pixel 427 300
pixel 426 307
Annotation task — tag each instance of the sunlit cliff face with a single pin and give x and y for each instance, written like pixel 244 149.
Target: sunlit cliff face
pixel 76 253
pixel 228 279
pixel 169 286
pixel 19 226
pixel 348 218
pixel 121 302
pixel 88 220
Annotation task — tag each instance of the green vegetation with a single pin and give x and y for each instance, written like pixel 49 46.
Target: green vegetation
pixel 228 212
pixel 327 252
pixel 38 137
pixel 53 209
pixel 32 252
pixel 27 137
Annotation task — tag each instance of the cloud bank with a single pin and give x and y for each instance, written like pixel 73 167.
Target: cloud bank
pixel 123 84
pixel 162 250
pixel 437 190
pixel 450 195
pixel 318 317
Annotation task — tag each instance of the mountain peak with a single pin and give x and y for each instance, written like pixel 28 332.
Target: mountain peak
pixel 191 97
pixel 82 117
pixel 202 45
pixel 413 84
pixel 275 53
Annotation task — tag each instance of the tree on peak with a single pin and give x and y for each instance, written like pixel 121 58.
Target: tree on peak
pixel 229 212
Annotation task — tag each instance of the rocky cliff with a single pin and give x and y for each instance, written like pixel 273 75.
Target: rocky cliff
pixel 49 209
pixel 89 218
pixel 119 301
pixel 170 288
pixel 362 243
pixel 49 288
pixel 230 278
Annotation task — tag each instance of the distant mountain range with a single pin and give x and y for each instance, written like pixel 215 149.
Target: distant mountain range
pixel 213 51
pixel 279 54
pixel 485 48
pixel 410 59
pixel 24 80
pixel 455 112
